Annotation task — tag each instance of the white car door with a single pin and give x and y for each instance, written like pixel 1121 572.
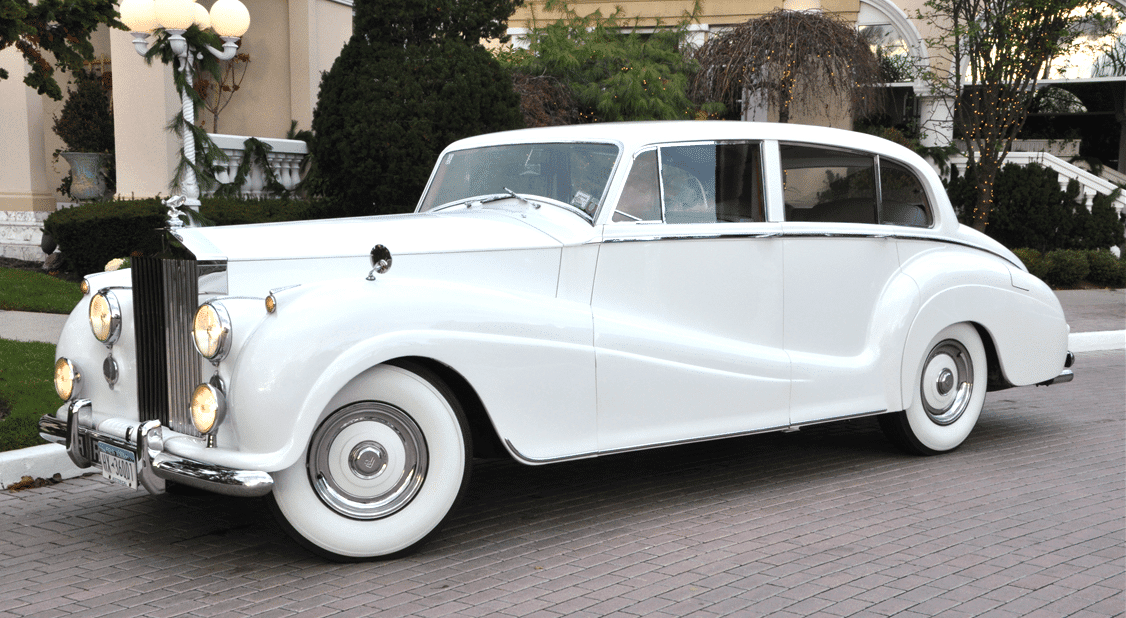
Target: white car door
pixel 687 302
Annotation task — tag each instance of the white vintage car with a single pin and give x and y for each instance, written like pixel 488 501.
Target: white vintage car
pixel 558 294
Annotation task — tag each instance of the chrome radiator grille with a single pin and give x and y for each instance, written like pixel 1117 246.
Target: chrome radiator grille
pixel 165 296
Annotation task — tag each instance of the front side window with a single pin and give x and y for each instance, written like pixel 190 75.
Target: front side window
pixel 697 183
pixel 573 174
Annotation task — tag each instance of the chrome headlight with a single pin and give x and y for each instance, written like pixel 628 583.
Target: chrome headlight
pixel 208 406
pixel 211 331
pixel 105 317
pixel 67 379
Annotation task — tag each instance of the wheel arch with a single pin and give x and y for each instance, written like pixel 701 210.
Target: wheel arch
pixel 486 440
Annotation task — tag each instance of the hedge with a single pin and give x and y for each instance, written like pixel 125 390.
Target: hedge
pixel 1065 268
pixel 91 235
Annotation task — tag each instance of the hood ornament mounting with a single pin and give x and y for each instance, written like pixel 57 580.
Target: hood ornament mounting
pixel 380 261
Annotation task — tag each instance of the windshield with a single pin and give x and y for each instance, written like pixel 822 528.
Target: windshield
pixel 574 174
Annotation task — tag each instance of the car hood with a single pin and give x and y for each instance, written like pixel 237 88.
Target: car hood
pixel 354 237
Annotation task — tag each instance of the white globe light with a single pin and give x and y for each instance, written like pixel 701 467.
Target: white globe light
pixel 138 15
pixel 230 18
pixel 175 14
pixel 202 17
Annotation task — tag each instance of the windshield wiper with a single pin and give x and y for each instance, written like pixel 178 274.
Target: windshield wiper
pixel 503 196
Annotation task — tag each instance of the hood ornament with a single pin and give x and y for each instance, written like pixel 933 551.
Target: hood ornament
pixel 179 215
pixel 380 261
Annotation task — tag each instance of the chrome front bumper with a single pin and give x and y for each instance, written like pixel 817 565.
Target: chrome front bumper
pixel 154 465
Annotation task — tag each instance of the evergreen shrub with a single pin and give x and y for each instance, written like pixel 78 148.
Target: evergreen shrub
pixel 1031 210
pixel 412 79
pixel 1066 267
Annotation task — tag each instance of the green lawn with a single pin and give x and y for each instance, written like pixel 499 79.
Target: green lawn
pixel 22 290
pixel 27 391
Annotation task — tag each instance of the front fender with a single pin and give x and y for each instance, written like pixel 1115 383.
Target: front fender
pixel 528 357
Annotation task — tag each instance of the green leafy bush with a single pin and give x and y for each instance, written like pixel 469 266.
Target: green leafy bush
pixel 613 70
pixel 1106 270
pixel 91 235
pixel 1066 267
pixel 1034 261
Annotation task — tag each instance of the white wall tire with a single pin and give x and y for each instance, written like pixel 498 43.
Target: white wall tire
pixel 950 383
pixel 381 473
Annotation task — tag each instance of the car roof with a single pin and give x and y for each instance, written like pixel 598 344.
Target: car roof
pixel 635 135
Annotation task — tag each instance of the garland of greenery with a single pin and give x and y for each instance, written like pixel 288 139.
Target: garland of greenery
pixel 208 154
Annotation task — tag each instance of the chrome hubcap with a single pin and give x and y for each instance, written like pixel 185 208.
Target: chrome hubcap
pixel 368 460
pixel 947 383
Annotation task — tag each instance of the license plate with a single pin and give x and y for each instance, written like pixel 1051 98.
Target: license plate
pixel 118 465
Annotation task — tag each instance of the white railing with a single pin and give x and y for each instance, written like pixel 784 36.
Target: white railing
pixel 1089 184
pixel 284 159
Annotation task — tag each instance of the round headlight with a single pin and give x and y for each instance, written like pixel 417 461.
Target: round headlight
pixel 211 331
pixel 67 379
pixel 105 317
pixel 208 405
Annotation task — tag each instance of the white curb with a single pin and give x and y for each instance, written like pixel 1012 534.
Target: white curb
pixel 43 461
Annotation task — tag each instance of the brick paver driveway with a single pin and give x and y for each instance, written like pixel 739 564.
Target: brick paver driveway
pixel 1026 519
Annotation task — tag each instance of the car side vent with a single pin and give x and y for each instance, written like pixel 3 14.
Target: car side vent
pixel 165 295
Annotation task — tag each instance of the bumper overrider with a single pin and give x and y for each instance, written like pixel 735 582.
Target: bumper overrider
pixel 143 442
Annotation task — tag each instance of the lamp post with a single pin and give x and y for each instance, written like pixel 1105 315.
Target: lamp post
pixel 228 18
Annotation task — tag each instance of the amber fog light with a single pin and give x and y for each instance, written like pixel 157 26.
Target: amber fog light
pixel 67 379
pixel 211 331
pixel 105 317
pixel 84 287
pixel 208 405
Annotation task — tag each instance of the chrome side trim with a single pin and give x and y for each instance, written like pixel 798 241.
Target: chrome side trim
pixel 843 417
pixel 692 237
pixel 784 234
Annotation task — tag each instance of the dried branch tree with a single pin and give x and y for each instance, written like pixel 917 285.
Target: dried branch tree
pixel 787 58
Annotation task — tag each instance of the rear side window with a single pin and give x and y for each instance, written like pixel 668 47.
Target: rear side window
pixel 903 199
pixel 843 186
pixel 823 184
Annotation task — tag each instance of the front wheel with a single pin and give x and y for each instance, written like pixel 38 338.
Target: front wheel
pixel 950 391
pixel 380 474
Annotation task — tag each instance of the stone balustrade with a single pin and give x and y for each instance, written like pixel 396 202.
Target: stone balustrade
pixel 284 158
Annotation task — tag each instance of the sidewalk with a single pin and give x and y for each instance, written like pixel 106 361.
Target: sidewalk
pixel 1097 319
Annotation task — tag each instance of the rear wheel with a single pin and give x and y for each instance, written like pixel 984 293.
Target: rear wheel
pixel 379 475
pixel 950 391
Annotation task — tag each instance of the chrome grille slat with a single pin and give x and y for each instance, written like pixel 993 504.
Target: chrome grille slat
pixel 165 295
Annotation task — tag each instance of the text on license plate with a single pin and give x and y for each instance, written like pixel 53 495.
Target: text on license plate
pixel 118 465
